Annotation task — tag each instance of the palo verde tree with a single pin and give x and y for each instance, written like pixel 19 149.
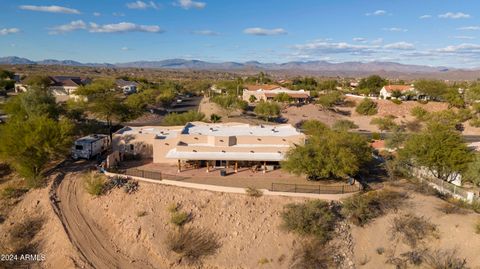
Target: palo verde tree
pixel 372 84
pixel 440 149
pixel 328 154
pixel 330 99
pixel 433 88
pixel 267 110
pixel 33 135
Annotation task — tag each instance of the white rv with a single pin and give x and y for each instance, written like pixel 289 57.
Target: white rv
pixel 90 146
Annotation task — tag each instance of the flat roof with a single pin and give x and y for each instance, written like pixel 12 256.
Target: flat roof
pixel 239 129
pixel 158 131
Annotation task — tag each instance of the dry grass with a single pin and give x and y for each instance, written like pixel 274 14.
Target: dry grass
pixel 253 192
pixel 445 259
pixel 452 209
pixel 192 244
pixel 94 183
pixel 412 229
pixel 477 227
pixel 313 255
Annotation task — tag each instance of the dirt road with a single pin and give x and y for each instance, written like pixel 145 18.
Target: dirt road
pixel 94 245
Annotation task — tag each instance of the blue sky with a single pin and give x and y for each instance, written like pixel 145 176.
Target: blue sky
pixel 430 32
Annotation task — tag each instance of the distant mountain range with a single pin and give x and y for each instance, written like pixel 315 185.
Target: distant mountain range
pixel 308 66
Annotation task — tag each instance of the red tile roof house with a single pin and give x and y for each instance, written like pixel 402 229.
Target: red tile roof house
pixel 269 92
pixel 387 91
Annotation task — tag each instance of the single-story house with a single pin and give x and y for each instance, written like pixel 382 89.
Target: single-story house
pixel 388 91
pixel 269 92
pixel 59 85
pixel 128 87
pixel 210 145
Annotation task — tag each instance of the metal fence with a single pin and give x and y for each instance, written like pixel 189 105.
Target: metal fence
pixel 318 189
pixel 144 173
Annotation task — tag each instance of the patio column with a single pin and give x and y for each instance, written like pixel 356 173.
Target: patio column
pixel 236 166
pixel 226 166
pixel 208 166
pixel 264 167
pixel 179 166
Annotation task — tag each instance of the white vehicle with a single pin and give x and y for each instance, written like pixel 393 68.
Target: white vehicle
pixel 90 146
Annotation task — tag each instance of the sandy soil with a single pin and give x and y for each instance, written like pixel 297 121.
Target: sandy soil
pixel 109 232
pixel 456 231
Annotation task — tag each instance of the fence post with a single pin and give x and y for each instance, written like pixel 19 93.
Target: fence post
pixel 343 186
pixel 272 187
pixel 295 187
pixel 319 189
pixel 143 173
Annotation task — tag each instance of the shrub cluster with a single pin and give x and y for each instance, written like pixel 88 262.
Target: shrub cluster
pixel 315 218
pixel 367 107
pixel 412 229
pixel 192 243
pixel 362 208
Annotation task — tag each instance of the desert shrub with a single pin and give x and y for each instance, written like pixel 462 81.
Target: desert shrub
pixel 179 218
pixel 192 243
pixel 475 122
pixel 475 205
pixel 22 234
pixel 344 125
pixel 315 218
pixel 367 107
pixel 253 192
pixel 173 207
pixel 452 209
pixel 141 213
pixel 376 136
pixel 464 114
pixel 94 183
pixel 477 227
pixel 363 208
pixel 183 118
pixel 413 126
pixel 263 261
pixel 380 250
pixel 445 259
pixel 313 255
pixel 12 192
pixel 216 118
pixel 412 229
pixel 131 187
pixel 419 113
pixel 396 101
pixel 423 187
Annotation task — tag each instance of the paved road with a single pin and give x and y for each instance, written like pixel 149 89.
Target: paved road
pixel 94 245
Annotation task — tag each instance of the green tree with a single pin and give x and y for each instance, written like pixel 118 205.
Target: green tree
pixel 252 99
pixel 313 127
pixel 329 155
pixel 433 88
pixel 386 123
pixel 35 101
pixel 329 100
pixel 283 98
pixel 396 139
pixel 328 85
pixel 37 81
pixel 397 94
pixel 472 174
pixel 438 148
pixel 344 125
pixel 419 113
pixel 267 110
pixel 183 118
pixel 215 118
pixel 453 98
pixel 472 94
pixel 367 107
pixel 372 83
pixel 30 145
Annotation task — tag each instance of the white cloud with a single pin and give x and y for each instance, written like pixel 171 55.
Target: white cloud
pixel 125 48
pixel 377 41
pixel 359 39
pixel 264 32
pixel 462 48
pixel 400 46
pixel 379 12
pixel 469 28
pixel 52 9
pixel 426 16
pixel 118 14
pixel 142 5
pixel 123 27
pixel 205 32
pixel 97 14
pixel 454 15
pixel 8 31
pixel 333 47
pixel 395 29
pixel 69 27
pixel 188 4
pixel 463 37
pixel 92 27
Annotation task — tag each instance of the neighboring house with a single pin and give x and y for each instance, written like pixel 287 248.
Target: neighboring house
pixel 269 92
pixel 210 145
pixel 387 92
pixel 60 86
pixel 128 87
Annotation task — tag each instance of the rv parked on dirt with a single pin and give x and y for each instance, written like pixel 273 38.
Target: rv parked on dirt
pixel 90 146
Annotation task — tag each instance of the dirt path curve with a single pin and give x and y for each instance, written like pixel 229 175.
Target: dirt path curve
pixel 94 245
